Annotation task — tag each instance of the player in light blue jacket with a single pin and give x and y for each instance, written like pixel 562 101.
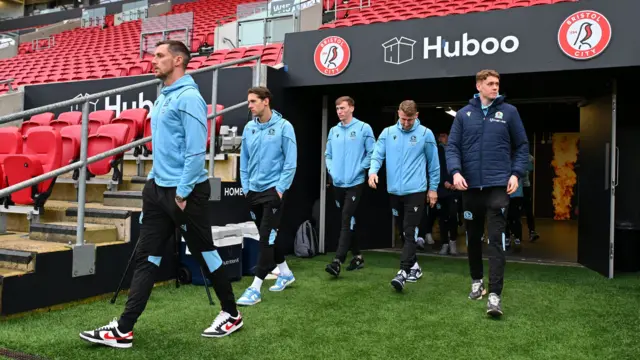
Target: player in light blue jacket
pixel 413 174
pixel 348 156
pixel 268 160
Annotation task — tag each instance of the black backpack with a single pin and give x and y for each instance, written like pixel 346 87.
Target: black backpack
pixel 306 242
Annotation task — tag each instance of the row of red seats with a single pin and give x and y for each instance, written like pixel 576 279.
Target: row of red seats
pixel 349 14
pixel 44 149
pixel 132 118
pixel 42 145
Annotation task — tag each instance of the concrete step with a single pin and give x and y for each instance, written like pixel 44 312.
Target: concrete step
pixel 123 198
pixel 18 253
pixel 5 273
pixel 66 211
pixel 65 232
pixel 17 260
pixel 120 218
pixel 65 189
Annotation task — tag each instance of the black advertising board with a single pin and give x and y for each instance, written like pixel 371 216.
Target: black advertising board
pixel 587 34
pixel 232 89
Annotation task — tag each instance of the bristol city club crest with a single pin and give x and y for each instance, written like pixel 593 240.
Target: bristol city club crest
pixel 584 35
pixel 332 56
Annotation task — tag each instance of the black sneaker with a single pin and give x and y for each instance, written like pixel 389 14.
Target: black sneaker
pixel 399 280
pixel 494 305
pixel 109 335
pixel 477 290
pixel 533 236
pixel 356 264
pixel 223 325
pixel 333 268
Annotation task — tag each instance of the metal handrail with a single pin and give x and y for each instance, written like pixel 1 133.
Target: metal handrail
pixel 84 161
pixel 90 97
pixel 8 82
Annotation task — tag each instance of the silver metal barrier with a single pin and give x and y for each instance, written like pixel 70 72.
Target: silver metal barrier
pixel 9 83
pixel 84 254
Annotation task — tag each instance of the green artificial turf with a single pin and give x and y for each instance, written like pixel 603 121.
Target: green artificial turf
pixel 550 313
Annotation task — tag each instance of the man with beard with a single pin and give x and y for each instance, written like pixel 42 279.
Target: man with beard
pixel 176 195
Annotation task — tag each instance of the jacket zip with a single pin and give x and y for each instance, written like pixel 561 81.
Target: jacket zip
pixel 484 121
pixel 402 163
pixel 260 148
pixel 344 148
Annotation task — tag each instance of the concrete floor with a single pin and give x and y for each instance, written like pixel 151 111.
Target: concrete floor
pixel 558 243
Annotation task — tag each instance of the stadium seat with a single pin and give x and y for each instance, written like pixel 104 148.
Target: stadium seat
pixel 42 153
pixel 218 122
pixel 66 119
pixel 37 120
pixel 134 119
pixel 107 137
pixel 99 118
pixel 148 147
pixel 10 143
pixel 71 139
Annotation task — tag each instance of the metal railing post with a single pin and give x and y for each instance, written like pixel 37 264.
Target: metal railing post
pixel 214 103
pixel 82 186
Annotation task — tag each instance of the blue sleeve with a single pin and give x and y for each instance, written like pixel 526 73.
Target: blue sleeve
pixel 520 143
pixel 433 161
pixel 453 153
pixel 290 150
pixel 244 162
pixel 328 156
pixel 379 153
pixel 193 115
pixel 369 143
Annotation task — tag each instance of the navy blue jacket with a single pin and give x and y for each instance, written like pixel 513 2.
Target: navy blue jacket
pixel 481 144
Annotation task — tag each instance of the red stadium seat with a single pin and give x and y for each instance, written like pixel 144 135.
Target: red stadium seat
pixel 10 143
pixel 218 122
pixel 37 120
pixel 134 119
pixel 66 119
pixel 106 138
pixel 148 147
pixel 99 118
pixel 42 153
pixel 71 138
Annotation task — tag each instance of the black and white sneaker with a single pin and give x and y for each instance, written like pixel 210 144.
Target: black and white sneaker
pixel 494 305
pixel 223 325
pixel 533 236
pixel 399 280
pixel 414 275
pixel 109 335
pixel 333 268
pixel 477 290
pixel 356 263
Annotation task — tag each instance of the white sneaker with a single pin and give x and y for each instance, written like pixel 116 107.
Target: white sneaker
pixel 452 247
pixel 223 325
pixel 429 239
pixel 109 335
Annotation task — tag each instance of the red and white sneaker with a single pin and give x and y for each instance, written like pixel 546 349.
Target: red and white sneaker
pixel 109 335
pixel 223 325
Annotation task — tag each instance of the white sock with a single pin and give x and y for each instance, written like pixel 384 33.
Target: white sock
pixel 284 269
pixel 415 265
pixel 257 283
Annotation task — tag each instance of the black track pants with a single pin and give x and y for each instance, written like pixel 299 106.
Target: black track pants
pixel 266 212
pixel 408 211
pixel 347 199
pixel 159 219
pixel 492 202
